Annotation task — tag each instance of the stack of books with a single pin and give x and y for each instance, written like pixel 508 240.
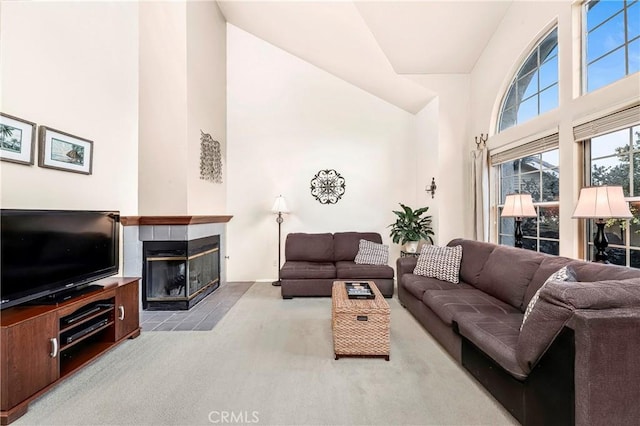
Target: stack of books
pixel 359 290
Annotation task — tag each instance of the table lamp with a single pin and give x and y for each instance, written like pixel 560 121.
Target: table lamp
pixel 600 203
pixel 518 206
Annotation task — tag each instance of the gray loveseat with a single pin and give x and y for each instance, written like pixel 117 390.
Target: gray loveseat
pixel 314 261
pixel 575 360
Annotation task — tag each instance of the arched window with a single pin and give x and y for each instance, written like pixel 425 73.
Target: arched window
pixel 534 89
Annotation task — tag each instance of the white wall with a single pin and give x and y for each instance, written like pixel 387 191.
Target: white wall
pixel 182 91
pixel 206 102
pixel 287 120
pixel 73 66
pixel 521 28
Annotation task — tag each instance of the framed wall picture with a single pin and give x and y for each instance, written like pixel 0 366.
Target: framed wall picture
pixel 17 139
pixel 62 151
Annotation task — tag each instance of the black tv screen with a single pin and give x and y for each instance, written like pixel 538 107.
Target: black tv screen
pixel 43 252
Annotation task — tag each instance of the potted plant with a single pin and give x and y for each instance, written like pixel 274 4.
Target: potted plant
pixel 410 227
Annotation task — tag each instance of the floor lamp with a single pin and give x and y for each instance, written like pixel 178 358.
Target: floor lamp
pixel 518 206
pixel 280 208
pixel 600 203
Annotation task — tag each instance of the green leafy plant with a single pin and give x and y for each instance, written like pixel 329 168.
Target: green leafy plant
pixel 411 225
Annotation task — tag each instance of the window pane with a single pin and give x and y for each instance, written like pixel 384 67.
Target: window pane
pixel 528 84
pixel 606 70
pixel 635 259
pixel 610 171
pixel 633 21
pixel 528 109
pixel 551 185
pixel 636 174
pixel 549 221
pixel 549 46
pixel 607 37
pixel 549 99
pixel 509 185
pixel 551 159
pixel 508 119
pixel 616 231
pixel 635 224
pixel 510 101
pixel 617 256
pixel 506 240
pixel 507 225
pixel 598 11
pixel 530 64
pixel 529 227
pixel 509 168
pixel 634 56
pixel 530 184
pixel 529 244
pixel 549 73
pixel 550 247
pixel 609 144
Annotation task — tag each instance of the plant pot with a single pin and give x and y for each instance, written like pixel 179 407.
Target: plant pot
pixel 411 246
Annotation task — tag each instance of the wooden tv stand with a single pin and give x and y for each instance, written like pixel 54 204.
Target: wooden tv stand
pixel 44 344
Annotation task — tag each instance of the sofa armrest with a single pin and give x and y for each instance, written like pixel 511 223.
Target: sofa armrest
pixel 607 371
pixel 405 265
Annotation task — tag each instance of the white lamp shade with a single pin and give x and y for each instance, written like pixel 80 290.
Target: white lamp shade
pixel 518 205
pixel 280 205
pixel 600 202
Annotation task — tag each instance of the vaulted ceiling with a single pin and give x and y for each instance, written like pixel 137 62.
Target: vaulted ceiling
pixel 377 45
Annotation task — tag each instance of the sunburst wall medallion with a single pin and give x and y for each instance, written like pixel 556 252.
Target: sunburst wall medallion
pixel 327 186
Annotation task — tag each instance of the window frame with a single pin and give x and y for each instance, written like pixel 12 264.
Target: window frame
pixel 587 227
pixel 584 75
pixel 537 204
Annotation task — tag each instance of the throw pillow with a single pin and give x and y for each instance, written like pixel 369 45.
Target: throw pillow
pixel 566 273
pixel 442 263
pixel 370 253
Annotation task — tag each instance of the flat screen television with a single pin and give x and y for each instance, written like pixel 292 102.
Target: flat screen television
pixel 46 252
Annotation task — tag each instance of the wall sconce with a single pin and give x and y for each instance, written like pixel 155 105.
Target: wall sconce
pixel 432 188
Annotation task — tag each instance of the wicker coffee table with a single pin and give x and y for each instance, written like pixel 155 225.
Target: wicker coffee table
pixel 360 326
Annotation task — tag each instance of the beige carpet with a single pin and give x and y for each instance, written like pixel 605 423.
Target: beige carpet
pixel 270 362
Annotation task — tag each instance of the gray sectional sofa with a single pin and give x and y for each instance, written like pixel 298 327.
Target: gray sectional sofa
pixel 314 261
pixel 575 360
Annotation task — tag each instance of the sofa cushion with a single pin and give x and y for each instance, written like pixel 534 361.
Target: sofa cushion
pixel 548 266
pixel 442 263
pixel 309 247
pixel 496 335
pixel 557 303
pixel 297 269
pixel 347 244
pixel 371 253
pixel 593 271
pixel 447 303
pixel 508 272
pixel 351 270
pixel 474 256
pixel 565 273
pixel 416 285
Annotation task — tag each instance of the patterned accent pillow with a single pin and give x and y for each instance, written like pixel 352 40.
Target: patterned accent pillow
pixel 442 263
pixel 566 273
pixel 370 253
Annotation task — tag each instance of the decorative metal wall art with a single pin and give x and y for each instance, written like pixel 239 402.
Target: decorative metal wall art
pixel 210 158
pixel 327 186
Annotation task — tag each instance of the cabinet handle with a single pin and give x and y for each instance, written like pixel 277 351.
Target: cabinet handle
pixel 54 347
pixel 121 309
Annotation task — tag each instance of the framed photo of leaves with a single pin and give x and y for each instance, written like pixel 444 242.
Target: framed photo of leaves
pixel 17 139
pixel 62 151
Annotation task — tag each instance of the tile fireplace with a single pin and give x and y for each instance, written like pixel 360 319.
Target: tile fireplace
pixel 178 274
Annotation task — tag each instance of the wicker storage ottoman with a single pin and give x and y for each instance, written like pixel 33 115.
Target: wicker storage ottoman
pixel 360 326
